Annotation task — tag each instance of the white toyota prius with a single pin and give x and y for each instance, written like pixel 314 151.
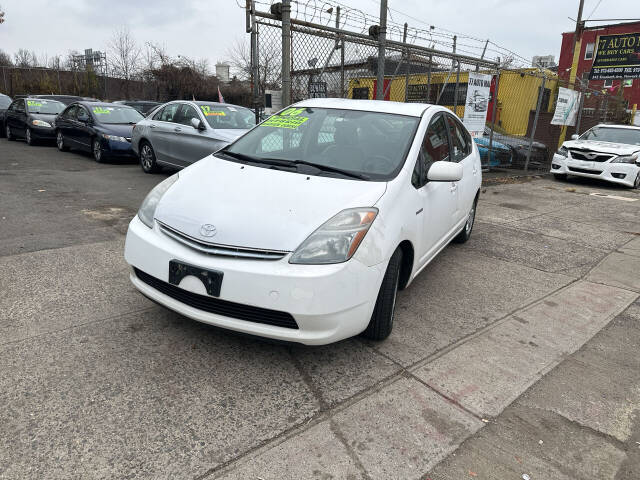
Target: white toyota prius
pixel 305 227
pixel 607 152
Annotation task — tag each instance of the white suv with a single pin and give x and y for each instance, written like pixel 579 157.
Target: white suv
pixel 305 227
pixel 607 152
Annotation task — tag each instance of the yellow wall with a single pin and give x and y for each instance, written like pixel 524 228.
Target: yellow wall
pixel 517 94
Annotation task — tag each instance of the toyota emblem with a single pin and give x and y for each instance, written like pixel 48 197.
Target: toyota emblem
pixel 208 230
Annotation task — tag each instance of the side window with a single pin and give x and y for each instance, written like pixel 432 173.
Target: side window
pixel 13 106
pixel 82 114
pixel 460 140
pixel 20 106
pixel 435 148
pixel 187 112
pixel 70 113
pixel 168 113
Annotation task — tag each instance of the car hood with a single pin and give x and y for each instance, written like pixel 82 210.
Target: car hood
pixel 226 135
pixel 115 129
pixel 604 147
pixel 256 207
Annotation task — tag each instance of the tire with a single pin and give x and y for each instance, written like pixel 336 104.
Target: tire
pixel 636 184
pixel 96 150
pixel 148 158
pixel 2 132
pixel 560 176
pixel 465 234
pixel 381 322
pixel 7 132
pixel 60 142
pixel 28 138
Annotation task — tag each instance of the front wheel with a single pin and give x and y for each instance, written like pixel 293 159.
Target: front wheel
pixel 60 142
pixel 636 184
pixel 96 148
pixel 381 322
pixel 148 158
pixel 8 133
pixel 29 138
pixel 465 234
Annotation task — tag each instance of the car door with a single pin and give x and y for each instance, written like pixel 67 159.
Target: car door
pixel 437 200
pixel 190 144
pixel 83 128
pixel 10 114
pixel 64 123
pixel 462 152
pixel 160 132
pixel 18 119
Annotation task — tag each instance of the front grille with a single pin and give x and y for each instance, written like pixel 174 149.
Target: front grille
pixel 219 306
pixel 584 170
pixel 590 156
pixel 221 250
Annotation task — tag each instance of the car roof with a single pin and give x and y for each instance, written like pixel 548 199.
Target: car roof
pixel 610 125
pixel 40 98
pixel 100 104
pixel 217 104
pixel 400 108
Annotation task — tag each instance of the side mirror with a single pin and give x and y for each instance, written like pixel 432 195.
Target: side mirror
pixel 444 172
pixel 575 136
pixel 197 124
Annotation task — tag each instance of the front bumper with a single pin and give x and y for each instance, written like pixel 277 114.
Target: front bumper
pixel 620 173
pixel 42 133
pixel 328 302
pixel 113 148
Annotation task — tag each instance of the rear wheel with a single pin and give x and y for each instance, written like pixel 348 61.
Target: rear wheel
pixel 148 158
pixel 381 322
pixel 465 234
pixel 96 148
pixel 8 133
pixel 60 142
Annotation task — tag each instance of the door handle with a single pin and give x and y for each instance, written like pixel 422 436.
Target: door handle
pixel 454 187
pixel 177 129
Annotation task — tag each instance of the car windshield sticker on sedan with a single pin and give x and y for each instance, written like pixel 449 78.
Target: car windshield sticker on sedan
pixel 102 110
pixel 290 118
pixel 32 103
pixel 206 109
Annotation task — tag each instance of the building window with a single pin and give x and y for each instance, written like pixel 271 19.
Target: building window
pixel 608 83
pixel 588 53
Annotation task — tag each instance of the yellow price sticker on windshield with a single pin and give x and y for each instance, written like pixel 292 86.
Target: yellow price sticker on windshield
pixel 206 109
pixel 289 118
pixel 101 110
pixel 32 103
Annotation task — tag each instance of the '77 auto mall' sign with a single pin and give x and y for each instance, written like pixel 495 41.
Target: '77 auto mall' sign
pixel 618 56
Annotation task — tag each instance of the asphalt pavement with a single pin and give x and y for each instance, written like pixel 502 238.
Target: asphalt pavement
pixel 513 354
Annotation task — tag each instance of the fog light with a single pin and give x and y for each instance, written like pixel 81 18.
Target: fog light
pixel 619 175
pixel 555 166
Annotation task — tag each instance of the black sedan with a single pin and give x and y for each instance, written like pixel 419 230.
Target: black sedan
pixel 5 101
pixel 519 147
pixel 66 99
pixel 104 129
pixel 31 119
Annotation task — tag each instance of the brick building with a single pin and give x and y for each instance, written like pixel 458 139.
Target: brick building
pixel 631 88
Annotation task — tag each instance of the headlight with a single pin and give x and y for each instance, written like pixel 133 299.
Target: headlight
pixel 626 159
pixel 563 152
pixel 337 239
pixel 115 138
pixel 40 123
pixel 148 208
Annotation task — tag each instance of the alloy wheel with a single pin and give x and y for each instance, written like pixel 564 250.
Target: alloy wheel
pixel 60 141
pixel 146 157
pixel 28 138
pixel 470 219
pixel 637 182
pixel 8 132
pixel 97 151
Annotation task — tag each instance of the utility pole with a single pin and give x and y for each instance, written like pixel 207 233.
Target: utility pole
pixel 382 36
pixel 255 72
pixel 577 47
pixel 286 53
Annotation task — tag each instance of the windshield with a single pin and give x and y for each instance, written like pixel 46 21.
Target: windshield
pixel 230 117
pixel 630 136
pixel 116 114
pixel 4 101
pixel 370 144
pixel 45 106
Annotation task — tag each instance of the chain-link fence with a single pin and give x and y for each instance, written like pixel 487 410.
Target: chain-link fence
pixel 328 60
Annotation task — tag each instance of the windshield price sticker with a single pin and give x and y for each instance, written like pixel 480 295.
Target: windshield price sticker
pixel 289 118
pixel 32 103
pixel 206 109
pixel 102 110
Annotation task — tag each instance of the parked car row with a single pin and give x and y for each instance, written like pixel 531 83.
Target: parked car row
pixel 173 135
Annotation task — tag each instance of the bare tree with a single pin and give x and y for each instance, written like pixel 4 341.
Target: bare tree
pixel 1 14
pixel 124 54
pixel 5 59
pixel 269 63
pixel 24 58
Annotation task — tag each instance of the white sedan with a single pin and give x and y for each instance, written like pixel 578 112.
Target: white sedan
pixel 607 152
pixel 305 228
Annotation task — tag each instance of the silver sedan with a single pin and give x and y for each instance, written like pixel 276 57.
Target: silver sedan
pixel 180 133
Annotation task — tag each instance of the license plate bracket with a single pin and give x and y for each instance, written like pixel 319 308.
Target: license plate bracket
pixel 211 279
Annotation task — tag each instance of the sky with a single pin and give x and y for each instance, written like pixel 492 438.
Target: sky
pixel 206 28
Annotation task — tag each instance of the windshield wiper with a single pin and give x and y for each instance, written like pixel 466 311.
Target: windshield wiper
pixel 324 168
pixel 239 156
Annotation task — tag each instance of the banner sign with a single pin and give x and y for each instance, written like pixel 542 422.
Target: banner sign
pixel 617 56
pixel 566 107
pixel 317 89
pixel 475 111
pixel 417 93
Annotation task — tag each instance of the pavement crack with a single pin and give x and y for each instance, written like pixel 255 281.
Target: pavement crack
pixel 350 451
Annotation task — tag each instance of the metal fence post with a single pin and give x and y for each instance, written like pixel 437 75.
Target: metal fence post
pixel 580 107
pixel 286 53
pixel 382 36
pixel 340 45
pixel 255 72
pixel 535 122
pixel 429 78
pixel 493 119
pixel 408 54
